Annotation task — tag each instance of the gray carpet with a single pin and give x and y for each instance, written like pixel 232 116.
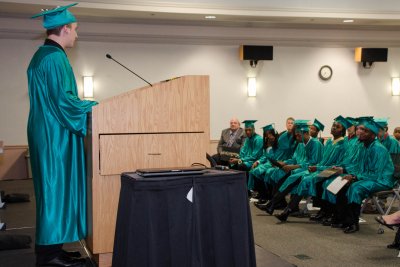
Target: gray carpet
pixel 298 242
pixel 305 243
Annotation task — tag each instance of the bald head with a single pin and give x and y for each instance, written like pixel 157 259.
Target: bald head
pixel 234 124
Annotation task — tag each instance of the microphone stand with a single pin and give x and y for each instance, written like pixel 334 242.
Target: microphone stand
pixel 110 57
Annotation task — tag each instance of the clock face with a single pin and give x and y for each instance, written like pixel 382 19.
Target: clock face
pixel 325 72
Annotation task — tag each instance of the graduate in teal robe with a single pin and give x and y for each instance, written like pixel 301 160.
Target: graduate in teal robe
pixel 334 151
pixel 391 144
pixel 289 175
pixel 375 174
pixel 272 152
pixel 56 129
pixel 252 149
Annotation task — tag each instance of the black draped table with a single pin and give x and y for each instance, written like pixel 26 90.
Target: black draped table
pixel 159 224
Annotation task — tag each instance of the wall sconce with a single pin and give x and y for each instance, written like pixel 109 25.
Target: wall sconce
pixel 396 86
pixel 87 87
pixel 251 86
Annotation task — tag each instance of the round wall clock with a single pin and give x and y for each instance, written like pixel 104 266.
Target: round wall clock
pixel 325 72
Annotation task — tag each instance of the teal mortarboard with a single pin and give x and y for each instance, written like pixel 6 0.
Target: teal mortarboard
pixel 301 125
pixel 249 123
pixel 56 17
pixel 382 121
pixel 340 119
pixel 370 124
pixel 268 127
pixel 319 125
pixel 353 121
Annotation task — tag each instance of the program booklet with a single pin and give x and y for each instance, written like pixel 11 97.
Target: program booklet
pixel 337 185
pixel 328 173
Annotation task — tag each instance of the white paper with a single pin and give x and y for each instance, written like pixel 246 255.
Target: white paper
pixel 337 184
pixel 189 195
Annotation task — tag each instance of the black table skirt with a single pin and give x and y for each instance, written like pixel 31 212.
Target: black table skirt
pixel 157 226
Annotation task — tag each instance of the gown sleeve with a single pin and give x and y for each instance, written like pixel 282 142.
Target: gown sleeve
pixel 69 110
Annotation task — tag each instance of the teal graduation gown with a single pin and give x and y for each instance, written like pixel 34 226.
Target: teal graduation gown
pixel 375 173
pixel 333 155
pixel 252 150
pixel 391 144
pixel 313 155
pixel 56 130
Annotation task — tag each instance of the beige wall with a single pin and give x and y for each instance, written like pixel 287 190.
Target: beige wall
pixel 287 86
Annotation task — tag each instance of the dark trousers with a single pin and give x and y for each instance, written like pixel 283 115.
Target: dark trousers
pixel 45 253
pixel 347 213
pixel 218 159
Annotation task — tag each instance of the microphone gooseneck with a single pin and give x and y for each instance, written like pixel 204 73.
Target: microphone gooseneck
pixel 110 57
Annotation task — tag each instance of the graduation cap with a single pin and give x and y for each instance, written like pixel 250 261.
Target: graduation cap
pixel 370 124
pixel 268 127
pixel 249 123
pixel 343 121
pixel 352 120
pixel 56 17
pixel 301 125
pixel 382 121
pixel 319 125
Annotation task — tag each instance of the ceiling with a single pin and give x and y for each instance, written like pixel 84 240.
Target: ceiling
pixel 284 22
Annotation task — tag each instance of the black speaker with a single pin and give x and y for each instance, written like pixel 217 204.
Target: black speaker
pixel 256 52
pixel 371 54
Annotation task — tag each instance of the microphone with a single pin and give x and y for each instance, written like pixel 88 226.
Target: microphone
pixel 110 57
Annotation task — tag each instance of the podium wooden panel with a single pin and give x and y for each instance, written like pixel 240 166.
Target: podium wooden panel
pixel 166 125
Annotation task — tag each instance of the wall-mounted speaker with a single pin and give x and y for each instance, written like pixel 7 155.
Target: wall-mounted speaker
pixel 371 54
pixel 256 52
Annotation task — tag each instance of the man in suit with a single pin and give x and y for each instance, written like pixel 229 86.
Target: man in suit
pixel 232 137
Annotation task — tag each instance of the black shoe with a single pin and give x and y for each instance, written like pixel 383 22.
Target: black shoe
pixel 269 208
pixel 351 229
pixel 260 206
pixel 284 215
pixel 72 254
pixel 394 245
pixel 326 221
pixel 261 202
pixel 338 225
pixel 62 261
pixel 382 221
pixel 318 217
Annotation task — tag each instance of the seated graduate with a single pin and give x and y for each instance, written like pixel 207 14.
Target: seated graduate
pixel 255 182
pixel 232 137
pixel 375 174
pixel 396 134
pixel 272 154
pixel 308 153
pixel 391 144
pixel 311 181
pixel 350 165
pixel 251 150
pixel 315 129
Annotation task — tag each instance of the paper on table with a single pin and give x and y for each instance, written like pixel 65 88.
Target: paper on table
pixel 337 184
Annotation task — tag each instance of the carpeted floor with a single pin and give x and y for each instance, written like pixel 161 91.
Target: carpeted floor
pixel 298 242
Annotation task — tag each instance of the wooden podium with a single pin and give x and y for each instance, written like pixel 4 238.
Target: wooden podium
pixel 166 125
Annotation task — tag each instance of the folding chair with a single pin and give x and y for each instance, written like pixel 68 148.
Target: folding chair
pixel 394 193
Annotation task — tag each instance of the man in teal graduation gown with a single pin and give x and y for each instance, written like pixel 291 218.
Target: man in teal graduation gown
pixel 308 153
pixel 333 154
pixel 56 130
pixel 251 150
pixel 391 144
pixel 375 173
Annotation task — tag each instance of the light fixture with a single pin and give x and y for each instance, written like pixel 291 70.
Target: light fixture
pixel 348 20
pixel 396 86
pixel 210 17
pixel 87 87
pixel 251 86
